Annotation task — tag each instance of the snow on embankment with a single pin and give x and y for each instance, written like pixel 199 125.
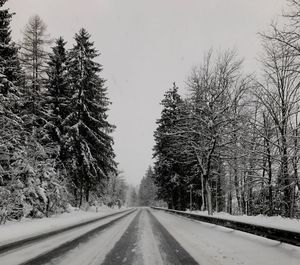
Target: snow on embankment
pixel 13 231
pixel 269 221
pixel 209 244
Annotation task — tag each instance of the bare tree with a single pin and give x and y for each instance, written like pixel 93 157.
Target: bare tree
pixel 207 129
pixel 34 54
pixel 279 93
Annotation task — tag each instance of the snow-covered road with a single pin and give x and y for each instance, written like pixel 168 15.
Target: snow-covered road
pixel 152 237
pixel 54 245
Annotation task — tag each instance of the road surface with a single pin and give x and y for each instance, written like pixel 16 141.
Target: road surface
pixel 151 237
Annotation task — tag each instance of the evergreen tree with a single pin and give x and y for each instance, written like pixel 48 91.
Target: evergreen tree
pixel 10 71
pixel 133 200
pixel 147 190
pixel 89 141
pixel 29 186
pixel 10 122
pixel 167 169
pixel 115 190
pixel 33 181
pixel 57 102
pixel 10 75
pixel 58 91
pixel 57 82
pixel 131 196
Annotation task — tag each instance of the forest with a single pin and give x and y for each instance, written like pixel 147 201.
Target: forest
pixel 232 143
pixel 56 147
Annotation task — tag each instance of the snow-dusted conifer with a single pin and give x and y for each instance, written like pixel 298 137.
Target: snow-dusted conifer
pixel 59 94
pixel 148 189
pixel 10 71
pixel 89 140
pixel 166 171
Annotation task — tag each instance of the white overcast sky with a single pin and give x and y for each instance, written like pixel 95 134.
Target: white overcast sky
pixel 145 45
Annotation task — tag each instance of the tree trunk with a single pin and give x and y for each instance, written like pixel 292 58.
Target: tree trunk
pixel 295 166
pixel 87 194
pixel 270 178
pixel 287 192
pixel 237 192
pixel 202 193
pixel 243 195
pixel 209 197
pixel 229 198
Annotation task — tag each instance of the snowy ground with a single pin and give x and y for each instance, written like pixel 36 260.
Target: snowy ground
pixel 13 231
pixel 154 237
pixel 270 221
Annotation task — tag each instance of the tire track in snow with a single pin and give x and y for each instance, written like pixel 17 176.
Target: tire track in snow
pixel 147 242
pixel 58 245
pixel 172 252
pixel 124 250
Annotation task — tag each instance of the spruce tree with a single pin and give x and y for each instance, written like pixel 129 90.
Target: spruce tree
pixel 58 88
pixel 13 138
pixel 89 140
pixel 166 170
pixel 147 189
pixel 40 190
pixel 10 75
pixel 10 71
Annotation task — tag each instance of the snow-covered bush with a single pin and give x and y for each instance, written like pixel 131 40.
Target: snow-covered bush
pixel 4 204
pixel 32 186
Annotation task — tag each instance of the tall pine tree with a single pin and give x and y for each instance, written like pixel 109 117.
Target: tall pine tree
pixel 59 94
pixel 10 67
pixel 89 141
pixel 147 189
pixel 10 76
pixel 167 168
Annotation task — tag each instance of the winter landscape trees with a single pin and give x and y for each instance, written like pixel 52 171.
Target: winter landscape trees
pixel 55 143
pixel 33 53
pixel 147 189
pixel 89 143
pixel 237 133
pixel 231 144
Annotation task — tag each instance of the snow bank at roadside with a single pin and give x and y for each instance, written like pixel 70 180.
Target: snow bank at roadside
pixel 217 245
pixel 270 221
pixel 13 231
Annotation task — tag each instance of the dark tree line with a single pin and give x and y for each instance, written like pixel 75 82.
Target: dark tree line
pixel 55 143
pixel 233 142
pixel 147 190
